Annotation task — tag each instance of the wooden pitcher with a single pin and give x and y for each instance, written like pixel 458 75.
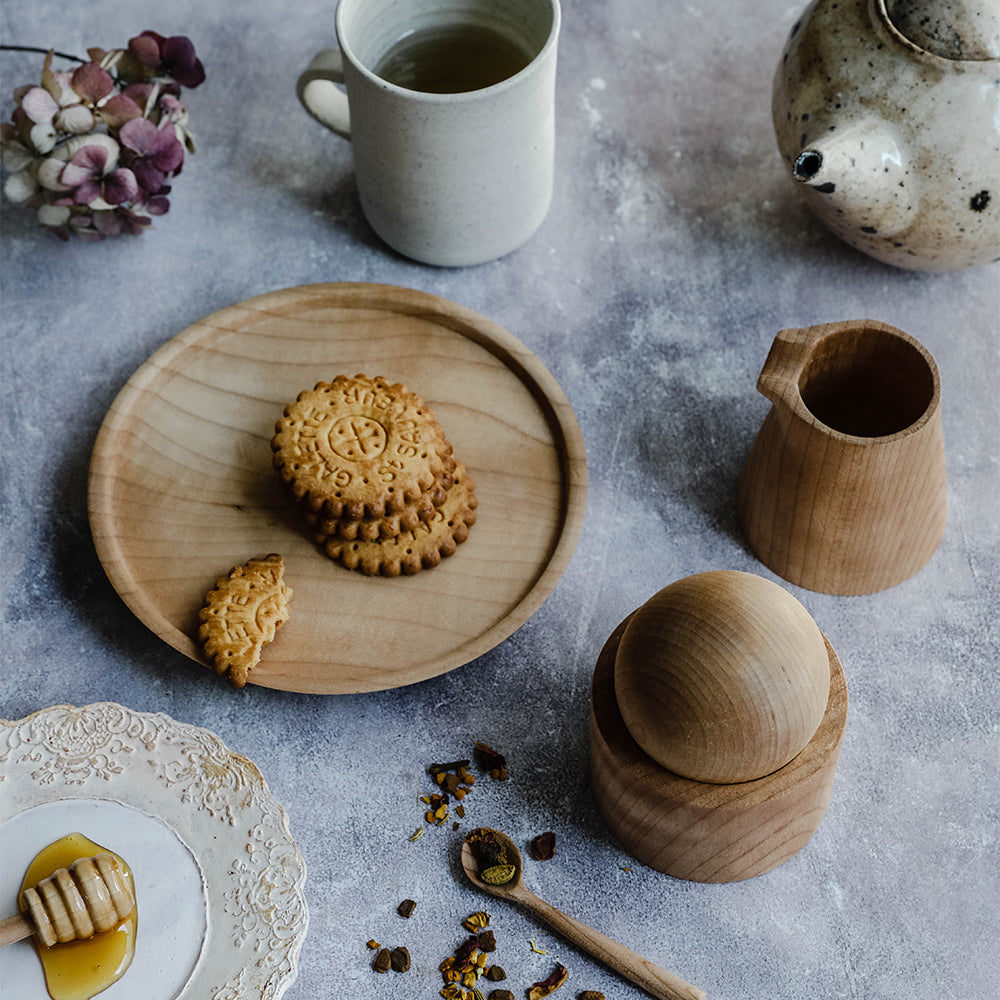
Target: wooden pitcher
pixel 844 488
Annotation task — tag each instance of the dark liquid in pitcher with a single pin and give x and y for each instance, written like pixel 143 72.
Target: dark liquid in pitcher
pixel 451 59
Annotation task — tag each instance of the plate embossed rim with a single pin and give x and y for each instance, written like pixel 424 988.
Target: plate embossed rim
pixel 217 803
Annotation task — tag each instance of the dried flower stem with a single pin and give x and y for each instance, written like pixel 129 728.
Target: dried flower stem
pixel 41 51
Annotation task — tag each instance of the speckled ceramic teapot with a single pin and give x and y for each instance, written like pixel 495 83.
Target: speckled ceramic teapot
pixel 887 113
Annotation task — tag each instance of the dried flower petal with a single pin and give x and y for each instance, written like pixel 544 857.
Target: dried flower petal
pixel 109 223
pixel 153 152
pixel 550 985
pixel 19 187
pixel 174 57
pixel 180 61
pixel 89 163
pixel 39 105
pixel 44 137
pixel 15 156
pixel 50 174
pixel 76 119
pixel 146 48
pixel 53 215
pixel 92 82
pixel 120 186
pixel 119 109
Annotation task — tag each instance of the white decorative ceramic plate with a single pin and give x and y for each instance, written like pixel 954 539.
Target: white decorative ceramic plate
pixel 182 487
pixel 219 880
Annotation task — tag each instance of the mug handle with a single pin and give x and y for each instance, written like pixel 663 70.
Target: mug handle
pixel 320 96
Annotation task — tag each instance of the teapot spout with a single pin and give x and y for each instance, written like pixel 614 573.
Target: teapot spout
pixel 861 175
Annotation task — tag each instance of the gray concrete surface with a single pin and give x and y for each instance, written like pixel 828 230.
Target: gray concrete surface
pixel 675 249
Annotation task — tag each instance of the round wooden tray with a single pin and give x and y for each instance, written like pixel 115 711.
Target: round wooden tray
pixel 181 485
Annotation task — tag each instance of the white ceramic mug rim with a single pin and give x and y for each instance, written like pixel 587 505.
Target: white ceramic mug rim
pixel 468 95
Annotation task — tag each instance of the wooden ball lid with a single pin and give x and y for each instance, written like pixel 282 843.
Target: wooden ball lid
pixel 722 677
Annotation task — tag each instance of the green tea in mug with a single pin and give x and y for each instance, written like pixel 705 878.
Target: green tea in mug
pixel 451 59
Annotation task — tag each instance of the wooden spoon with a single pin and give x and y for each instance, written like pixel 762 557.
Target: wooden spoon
pixel 634 967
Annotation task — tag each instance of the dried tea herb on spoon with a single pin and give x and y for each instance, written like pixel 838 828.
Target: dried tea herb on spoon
pixel 492 860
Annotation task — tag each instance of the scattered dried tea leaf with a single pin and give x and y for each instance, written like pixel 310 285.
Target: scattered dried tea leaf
pixel 501 995
pixel 550 985
pixel 463 970
pixel 406 908
pixel 591 995
pixel 454 781
pixel 374 945
pixel 400 959
pixel 536 949
pixel 436 769
pixel 476 921
pixel 383 961
pixel 543 847
pixel 491 761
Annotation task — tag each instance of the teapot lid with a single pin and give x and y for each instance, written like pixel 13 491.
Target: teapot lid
pixel 952 29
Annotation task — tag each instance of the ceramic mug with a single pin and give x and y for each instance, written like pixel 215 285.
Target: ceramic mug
pixel 444 178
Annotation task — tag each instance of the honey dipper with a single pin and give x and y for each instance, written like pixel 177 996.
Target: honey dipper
pixel 73 903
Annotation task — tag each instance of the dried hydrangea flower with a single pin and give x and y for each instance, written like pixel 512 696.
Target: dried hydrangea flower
pixel 151 153
pixel 92 150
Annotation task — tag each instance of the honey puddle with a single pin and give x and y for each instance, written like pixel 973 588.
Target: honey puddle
pixel 78 970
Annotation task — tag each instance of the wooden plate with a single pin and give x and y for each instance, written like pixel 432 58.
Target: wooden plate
pixel 182 488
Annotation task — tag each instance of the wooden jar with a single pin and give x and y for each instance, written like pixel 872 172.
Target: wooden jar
pixel 714 830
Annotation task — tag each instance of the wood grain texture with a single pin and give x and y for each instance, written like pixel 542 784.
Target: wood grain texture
pixel 722 677
pixel 15 928
pixel 182 489
pixel 656 981
pixel 708 832
pixel 844 489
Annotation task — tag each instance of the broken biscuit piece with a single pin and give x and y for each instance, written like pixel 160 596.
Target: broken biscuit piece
pixel 242 614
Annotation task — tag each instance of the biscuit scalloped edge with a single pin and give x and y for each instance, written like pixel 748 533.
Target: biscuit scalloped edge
pixel 410 552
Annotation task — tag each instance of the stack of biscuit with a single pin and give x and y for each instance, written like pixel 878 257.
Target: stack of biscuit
pixel 370 468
